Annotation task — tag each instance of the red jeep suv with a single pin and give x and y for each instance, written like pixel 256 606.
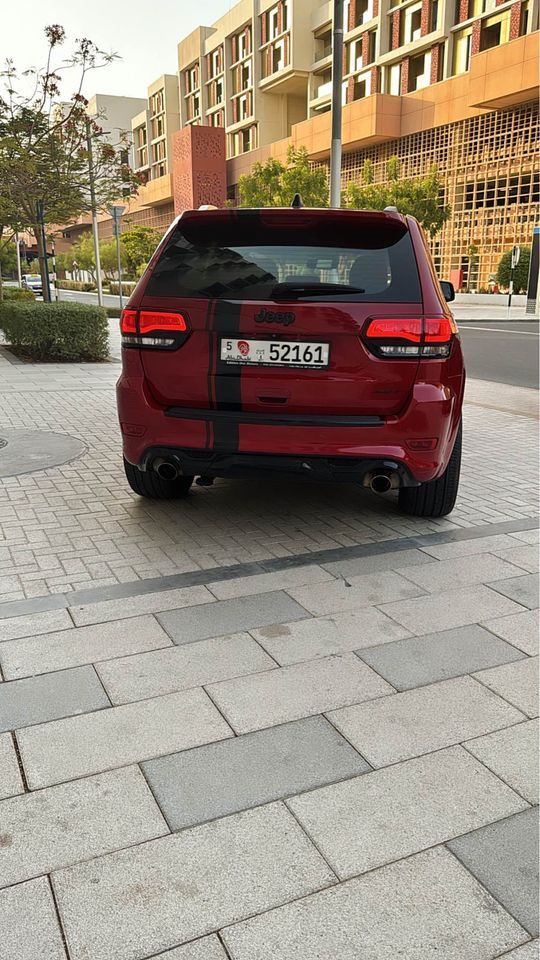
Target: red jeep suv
pixel 315 343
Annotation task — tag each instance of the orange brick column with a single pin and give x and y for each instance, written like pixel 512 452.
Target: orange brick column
pixel 475 39
pixel 199 173
pixel 515 20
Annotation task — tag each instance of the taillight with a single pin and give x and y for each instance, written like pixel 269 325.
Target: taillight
pixel 155 329
pixel 410 337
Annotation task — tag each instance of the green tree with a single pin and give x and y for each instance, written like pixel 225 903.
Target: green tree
pixel 109 258
pixel 521 272
pixel 419 197
pixel 8 257
pixel 274 184
pixel 44 142
pixel 138 244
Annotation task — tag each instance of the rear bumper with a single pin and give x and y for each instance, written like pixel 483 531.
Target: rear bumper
pixel 218 443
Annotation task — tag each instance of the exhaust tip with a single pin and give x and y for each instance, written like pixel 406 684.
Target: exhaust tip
pixel 380 483
pixel 165 469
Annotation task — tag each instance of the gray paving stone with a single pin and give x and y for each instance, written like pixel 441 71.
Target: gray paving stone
pixel 163 893
pixel 529 951
pixel 521 629
pixel 467 548
pixel 424 908
pixel 300 690
pixel 29 626
pixel 145 603
pixel 62 825
pixel 80 746
pixel 72 648
pixel 461 572
pixel 209 948
pixel 377 564
pixel 322 636
pixel 243 772
pixel 424 719
pixel 178 668
pixel 513 755
pixel 504 857
pixel 527 536
pixel 230 616
pixel 50 696
pixel 525 556
pixel 524 590
pixel 382 816
pixel 454 608
pixel 10 775
pixel 267 582
pixel 28 926
pixel 438 656
pixel 366 591
pixel 516 682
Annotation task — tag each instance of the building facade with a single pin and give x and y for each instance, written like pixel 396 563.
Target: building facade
pixel 451 82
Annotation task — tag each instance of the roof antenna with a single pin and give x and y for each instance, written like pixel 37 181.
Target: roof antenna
pixel 297 201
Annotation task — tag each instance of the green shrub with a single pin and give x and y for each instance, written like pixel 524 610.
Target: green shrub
pixel 55 332
pixel 113 313
pixel 17 293
pixel 75 285
pixel 127 287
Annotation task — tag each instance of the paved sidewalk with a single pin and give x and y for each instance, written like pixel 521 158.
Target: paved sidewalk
pixel 272 722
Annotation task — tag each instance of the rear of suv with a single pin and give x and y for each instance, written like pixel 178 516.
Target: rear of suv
pixel 311 342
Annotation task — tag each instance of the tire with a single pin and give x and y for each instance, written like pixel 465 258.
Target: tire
pixel 437 497
pixel 148 484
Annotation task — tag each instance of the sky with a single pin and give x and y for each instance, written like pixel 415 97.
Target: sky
pixel 143 32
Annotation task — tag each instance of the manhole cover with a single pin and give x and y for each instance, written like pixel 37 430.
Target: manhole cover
pixel 24 451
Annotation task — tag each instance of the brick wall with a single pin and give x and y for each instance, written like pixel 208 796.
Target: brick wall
pixel 199 167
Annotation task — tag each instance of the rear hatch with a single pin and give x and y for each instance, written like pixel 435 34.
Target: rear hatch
pixel 275 302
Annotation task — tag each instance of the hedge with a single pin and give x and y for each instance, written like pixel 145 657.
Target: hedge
pixel 75 285
pixel 16 293
pixel 56 332
pixel 127 287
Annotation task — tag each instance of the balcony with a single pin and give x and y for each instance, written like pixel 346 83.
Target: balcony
pixel 507 75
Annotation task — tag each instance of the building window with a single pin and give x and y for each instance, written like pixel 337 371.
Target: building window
pixel 434 15
pixel 323 45
pixel 419 72
pixel 245 75
pixel 372 46
pixel 523 19
pixel 355 56
pixel 324 84
pixel 495 30
pixel 462 50
pixel 243 140
pixel 278 56
pixel 216 61
pixel 394 79
pixel 157 102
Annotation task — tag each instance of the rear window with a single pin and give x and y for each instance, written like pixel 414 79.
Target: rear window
pixel 224 259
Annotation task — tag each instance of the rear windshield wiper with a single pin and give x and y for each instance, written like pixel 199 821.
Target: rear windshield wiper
pixel 290 289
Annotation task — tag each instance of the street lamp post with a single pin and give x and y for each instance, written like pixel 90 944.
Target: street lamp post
pixel 19 272
pixel 337 74
pixel 116 214
pixel 93 209
pixel 40 216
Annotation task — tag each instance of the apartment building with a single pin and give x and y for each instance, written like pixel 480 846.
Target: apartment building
pixel 451 82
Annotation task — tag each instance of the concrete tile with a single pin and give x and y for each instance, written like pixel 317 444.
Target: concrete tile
pixel 80 746
pixel 35 623
pixel 230 616
pixel 527 536
pixel 521 629
pixel 243 772
pixel 72 648
pixel 209 948
pixel 523 590
pixel 267 582
pixel 145 603
pixel 516 682
pixel 363 591
pixel 389 814
pixel 28 926
pixel 178 668
pixel 50 696
pixel 378 563
pixel 529 951
pixel 10 775
pixel 438 912
pixel 300 690
pixel 168 891
pixel 525 556
pixel 461 572
pixel 468 548
pixel 504 857
pixel 323 636
pixel 62 825
pixel 454 608
pixel 438 656
pixel 421 720
pixel 513 755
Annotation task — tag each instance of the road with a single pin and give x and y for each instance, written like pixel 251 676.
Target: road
pixel 497 350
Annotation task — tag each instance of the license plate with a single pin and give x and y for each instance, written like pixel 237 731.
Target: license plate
pixel 279 353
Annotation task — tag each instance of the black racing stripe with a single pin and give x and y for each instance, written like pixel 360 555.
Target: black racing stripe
pixel 227 385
